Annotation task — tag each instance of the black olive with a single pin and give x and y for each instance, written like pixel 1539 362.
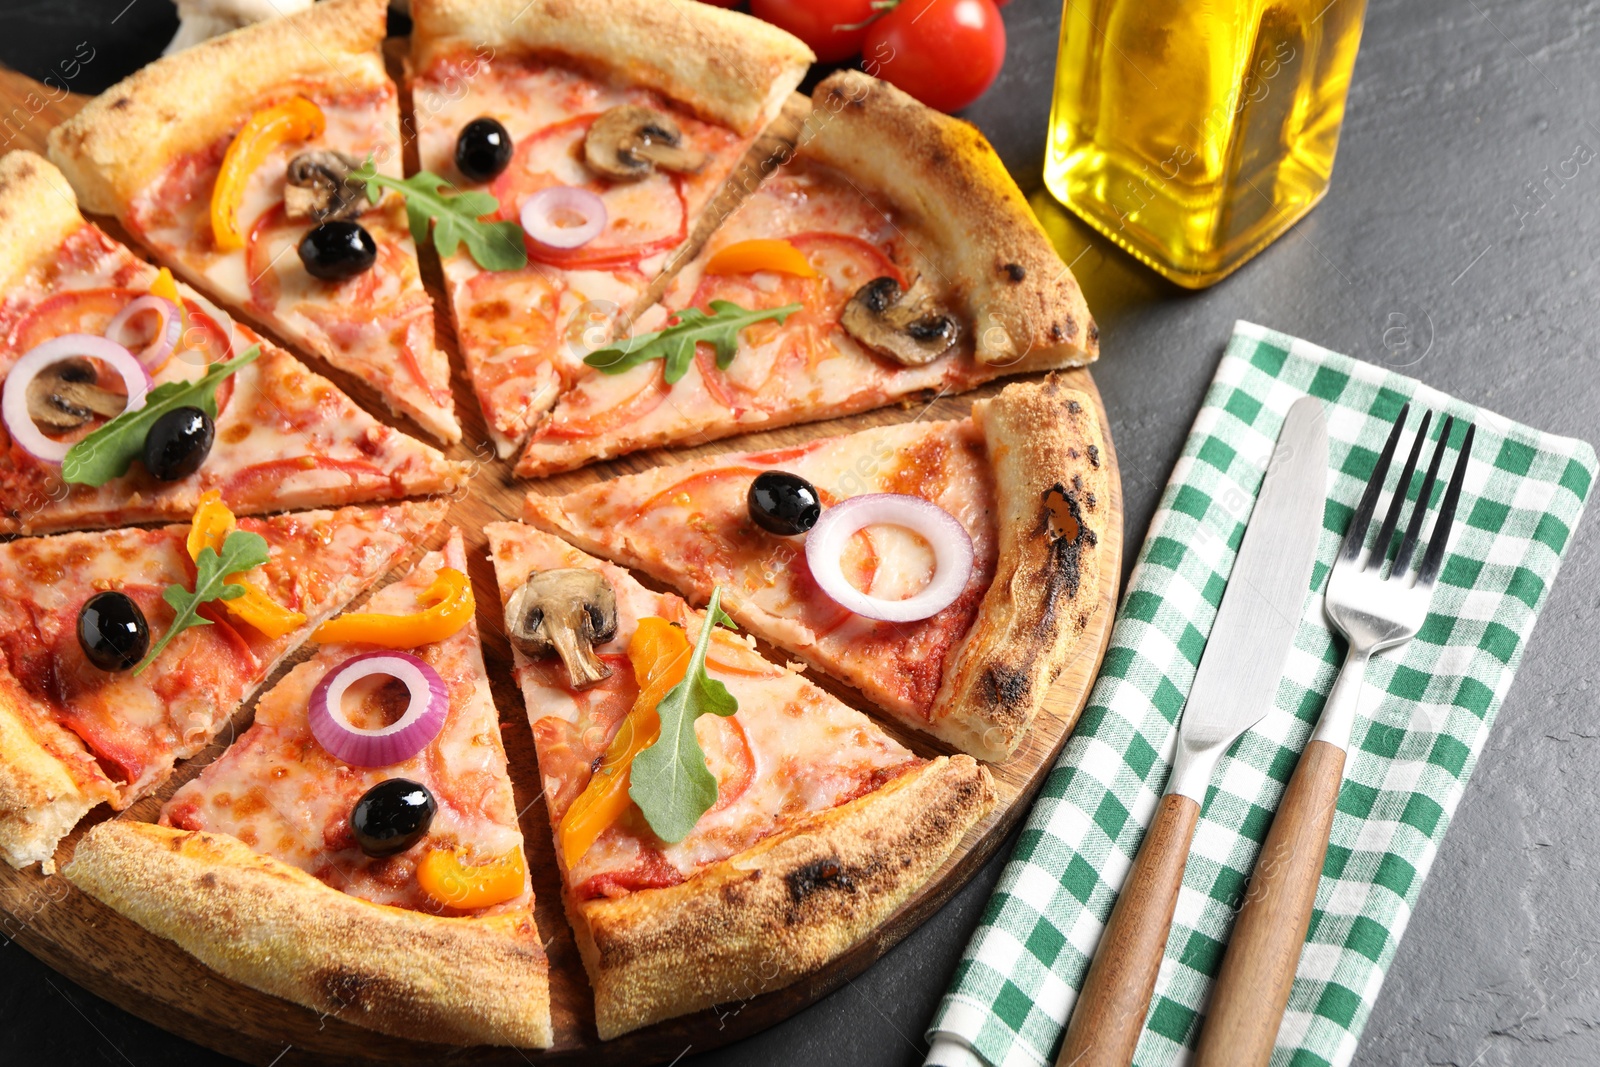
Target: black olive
pixel 112 631
pixel 483 149
pixel 392 816
pixel 334 251
pixel 784 503
pixel 178 442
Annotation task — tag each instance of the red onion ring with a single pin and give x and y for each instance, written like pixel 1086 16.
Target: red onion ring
pixel 401 739
pixel 14 398
pixel 169 328
pixel 952 553
pixel 548 216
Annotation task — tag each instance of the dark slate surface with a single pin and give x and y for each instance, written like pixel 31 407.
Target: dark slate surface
pixel 1456 105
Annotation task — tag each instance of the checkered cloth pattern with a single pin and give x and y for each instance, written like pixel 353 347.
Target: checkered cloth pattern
pixel 1426 712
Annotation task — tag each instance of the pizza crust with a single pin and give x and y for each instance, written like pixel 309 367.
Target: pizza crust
pixel 41 796
pixel 271 926
pixel 761 919
pixel 724 66
pixel 122 140
pixel 1022 302
pixel 37 212
pixel 1045 444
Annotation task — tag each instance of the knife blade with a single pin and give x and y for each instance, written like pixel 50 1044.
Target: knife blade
pixel 1233 689
pixel 1260 610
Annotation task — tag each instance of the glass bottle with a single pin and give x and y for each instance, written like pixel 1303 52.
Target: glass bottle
pixel 1195 132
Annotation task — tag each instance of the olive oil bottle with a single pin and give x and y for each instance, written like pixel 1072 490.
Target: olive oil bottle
pixel 1194 132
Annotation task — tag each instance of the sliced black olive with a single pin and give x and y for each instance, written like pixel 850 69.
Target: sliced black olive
pixel 483 149
pixel 178 442
pixel 113 631
pixel 392 816
pixel 334 251
pixel 783 503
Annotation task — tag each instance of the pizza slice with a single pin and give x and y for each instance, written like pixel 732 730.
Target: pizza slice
pixel 81 317
pixel 1022 482
pixel 707 858
pixel 366 823
pixel 231 162
pixel 892 256
pixel 124 651
pixel 606 129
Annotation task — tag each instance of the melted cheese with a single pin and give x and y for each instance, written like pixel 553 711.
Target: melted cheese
pixel 791 750
pixel 285 437
pixel 522 354
pixel 138 725
pixel 359 324
pixel 689 525
pixel 280 792
pixel 807 369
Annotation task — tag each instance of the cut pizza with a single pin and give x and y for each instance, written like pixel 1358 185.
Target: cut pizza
pixel 366 825
pixel 891 256
pixel 603 131
pixel 722 825
pixel 234 162
pixel 945 569
pixel 85 325
pixel 124 651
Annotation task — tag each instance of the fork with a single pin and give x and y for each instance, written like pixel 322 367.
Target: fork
pixel 1375 609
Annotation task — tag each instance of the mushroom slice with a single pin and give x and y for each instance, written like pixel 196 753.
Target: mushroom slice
pixel 318 187
pixel 631 141
pixel 65 395
pixel 568 612
pixel 908 326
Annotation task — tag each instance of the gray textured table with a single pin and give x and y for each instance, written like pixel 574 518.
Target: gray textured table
pixel 1456 107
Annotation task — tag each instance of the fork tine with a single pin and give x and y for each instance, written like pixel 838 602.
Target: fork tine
pixel 1408 543
pixel 1440 537
pixel 1356 535
pixel 1402 489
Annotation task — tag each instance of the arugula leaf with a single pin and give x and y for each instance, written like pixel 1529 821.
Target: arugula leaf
pixel 671 783
pixel 241 551
pixel 457 219
pixel 675 344
pixel 106 453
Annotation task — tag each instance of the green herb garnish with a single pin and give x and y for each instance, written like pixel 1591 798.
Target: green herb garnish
pixel 106 453
pixel 457 218
pixel 671 783
pixel 675 344
pixel 241 551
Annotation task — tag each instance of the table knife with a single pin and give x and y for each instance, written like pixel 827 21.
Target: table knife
pixel 1234 687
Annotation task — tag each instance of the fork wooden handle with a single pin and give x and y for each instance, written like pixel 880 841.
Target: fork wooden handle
pixel 1252 989
pixel 1110 1011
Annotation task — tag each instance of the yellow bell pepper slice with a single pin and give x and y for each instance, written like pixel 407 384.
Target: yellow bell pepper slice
pixel 296 119
pixel 450 606
pixel 449 881
pixel 660 653
pixel 747 257
pixel 211 525
pixel 166 287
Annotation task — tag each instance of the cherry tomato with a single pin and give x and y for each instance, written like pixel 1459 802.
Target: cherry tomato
pixel 815 22
pixel 943 52
pixel 721 3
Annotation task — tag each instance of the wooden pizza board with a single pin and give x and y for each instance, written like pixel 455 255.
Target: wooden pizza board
pixel 156 980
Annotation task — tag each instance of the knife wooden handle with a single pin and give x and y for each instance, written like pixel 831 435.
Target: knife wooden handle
pixel 1109 1015
pixel 1252 988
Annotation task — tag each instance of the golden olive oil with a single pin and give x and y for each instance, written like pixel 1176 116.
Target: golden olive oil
pixel 1194 132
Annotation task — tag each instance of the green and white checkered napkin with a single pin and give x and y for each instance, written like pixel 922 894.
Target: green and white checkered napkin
pixel 1426 713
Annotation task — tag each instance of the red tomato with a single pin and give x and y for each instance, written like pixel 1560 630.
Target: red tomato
pixel 943 52
pixel 721 3
pixel 816 23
